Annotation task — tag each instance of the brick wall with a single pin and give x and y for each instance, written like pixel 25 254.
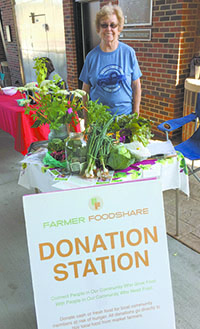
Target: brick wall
pixel 2 53
pixel 197 38
pixel 12 47
pixel 72 74
pixel 165 59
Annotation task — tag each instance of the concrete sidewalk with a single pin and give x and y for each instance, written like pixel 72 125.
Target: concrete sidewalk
pixel 189 217
pixel 16 296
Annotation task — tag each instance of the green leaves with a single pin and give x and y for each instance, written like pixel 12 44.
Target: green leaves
pixel 138 128
pixel 97 112
pixel 54 105
pixel 56 144
pixel 36 124
pixel 40 69
pixel 120 157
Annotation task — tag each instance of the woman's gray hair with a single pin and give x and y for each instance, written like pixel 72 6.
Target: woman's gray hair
pixel 109 10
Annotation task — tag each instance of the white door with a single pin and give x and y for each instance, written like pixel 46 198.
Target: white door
pixel 41 33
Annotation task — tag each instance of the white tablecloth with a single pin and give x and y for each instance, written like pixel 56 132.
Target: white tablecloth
pixel 172 172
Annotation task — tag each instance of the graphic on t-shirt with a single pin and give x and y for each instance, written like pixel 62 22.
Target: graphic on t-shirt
pixel 110 78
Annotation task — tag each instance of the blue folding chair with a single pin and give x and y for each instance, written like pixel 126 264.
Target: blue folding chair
pixel 191 147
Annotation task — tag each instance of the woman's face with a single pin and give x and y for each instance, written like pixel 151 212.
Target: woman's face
pixel 109 29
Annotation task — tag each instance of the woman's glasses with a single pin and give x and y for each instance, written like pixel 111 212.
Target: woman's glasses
pixel 105 25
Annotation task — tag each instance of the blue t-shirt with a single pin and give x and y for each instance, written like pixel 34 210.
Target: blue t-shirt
pixel 110 74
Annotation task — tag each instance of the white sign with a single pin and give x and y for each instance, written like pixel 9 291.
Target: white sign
pixel 99 257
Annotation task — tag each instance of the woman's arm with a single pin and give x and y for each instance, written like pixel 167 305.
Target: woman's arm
pixel 136 87
pixel 86 88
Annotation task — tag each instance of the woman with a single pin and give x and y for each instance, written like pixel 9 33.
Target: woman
pixel 111 72
pixel 52 74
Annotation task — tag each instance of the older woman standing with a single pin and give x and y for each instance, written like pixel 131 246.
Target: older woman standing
pixel 111 72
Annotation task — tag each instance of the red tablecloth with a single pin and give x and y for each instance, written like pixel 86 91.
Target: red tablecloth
pixel 14 121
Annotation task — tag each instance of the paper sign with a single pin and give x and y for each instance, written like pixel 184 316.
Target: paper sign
pixel 161 148
pixel 99 257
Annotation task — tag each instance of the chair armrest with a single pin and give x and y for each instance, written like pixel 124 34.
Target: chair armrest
pixel 173 124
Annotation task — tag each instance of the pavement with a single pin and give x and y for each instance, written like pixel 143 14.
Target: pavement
pixel 189 215
pixel 16 296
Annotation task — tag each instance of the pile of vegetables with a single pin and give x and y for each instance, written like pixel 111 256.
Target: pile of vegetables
pixel 109 142
pixel 55 157
pixel 131 128
pixel 107 136
pixel 56 148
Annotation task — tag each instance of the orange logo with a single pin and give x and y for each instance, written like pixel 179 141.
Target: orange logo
pixel 95 203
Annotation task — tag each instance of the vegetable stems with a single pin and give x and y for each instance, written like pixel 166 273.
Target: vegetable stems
pixel 97 147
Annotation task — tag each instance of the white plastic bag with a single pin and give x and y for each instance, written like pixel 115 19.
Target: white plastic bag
pixel 138 150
